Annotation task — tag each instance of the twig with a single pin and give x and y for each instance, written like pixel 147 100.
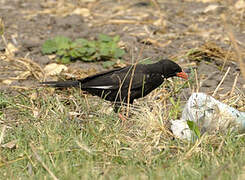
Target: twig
pixel 83 147
pixel 43 164
pixel 226 58
pixel 189 153
pixel 51 158
pixel 197 83
pixel 131 79
pixel 130 85
pixel 12 161
pixel 220 145
pixel 222 80
pixel 2 133
pixel 234 84
pixel 86 100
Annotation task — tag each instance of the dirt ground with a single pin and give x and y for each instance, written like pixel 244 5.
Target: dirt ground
pixel 148 29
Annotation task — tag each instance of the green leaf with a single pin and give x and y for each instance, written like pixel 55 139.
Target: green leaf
pixel 119 53
pixel 104 50
pixel 62 42
pixel 61 52
pixel 65 60
pixel 116 38
pixel 81 42
pixel 104 38
pixel 108 64
pixel 192 125
pixel 49 47
pixel 90 51
pixel 74 53
pixel 74 45
pixel 92 44
pixel 88 59
pixel 113 47
pixel 82 51
pixel 172 101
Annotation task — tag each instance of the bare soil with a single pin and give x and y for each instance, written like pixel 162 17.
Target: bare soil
pixel 148 29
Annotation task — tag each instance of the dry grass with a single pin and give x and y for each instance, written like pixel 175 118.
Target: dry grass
pixel 16 69
pixel 61 140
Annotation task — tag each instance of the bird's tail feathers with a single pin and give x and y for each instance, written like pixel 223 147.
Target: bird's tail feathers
pixel 61 84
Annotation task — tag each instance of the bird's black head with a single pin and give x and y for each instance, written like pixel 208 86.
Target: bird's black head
pixel 170 69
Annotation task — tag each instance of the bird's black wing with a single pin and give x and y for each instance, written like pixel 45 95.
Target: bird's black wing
pixel 118 78
pixel 104 80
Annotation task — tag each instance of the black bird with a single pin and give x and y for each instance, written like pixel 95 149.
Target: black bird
pixel 114 85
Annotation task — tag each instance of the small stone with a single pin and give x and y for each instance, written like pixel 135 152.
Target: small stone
pixel 31 42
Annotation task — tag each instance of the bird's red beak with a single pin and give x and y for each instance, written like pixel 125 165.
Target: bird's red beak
pixel 182 75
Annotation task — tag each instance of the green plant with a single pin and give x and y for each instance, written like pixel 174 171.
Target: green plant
pixel 174 113
pixel 3 101
pixel 105 48
pixel 192 125
pixel 72 137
